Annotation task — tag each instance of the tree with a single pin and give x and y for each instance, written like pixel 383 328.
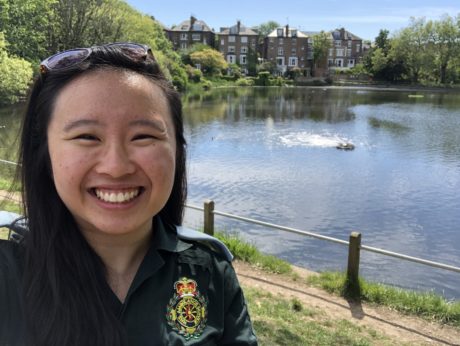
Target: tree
pixel 266 28
pixel 446 42
pixel 210 60
pixel 16 74
pixel 321 44
pixel 382 41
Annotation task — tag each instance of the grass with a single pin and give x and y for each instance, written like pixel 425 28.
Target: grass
pixel 427 305
pixel 280 321
pixel 249 253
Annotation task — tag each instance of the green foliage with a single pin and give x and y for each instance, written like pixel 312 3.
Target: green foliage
pixel 211 61
pixel 321 44
pixel 263 78
pixel 249 253
pixel 266 28
pixel 427 305
pixel 245 82
pixel 234 70
pixel 16 74
pixel 193 73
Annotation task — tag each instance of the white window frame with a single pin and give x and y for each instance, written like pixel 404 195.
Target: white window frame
pixel 331 52
pixel 184 36
pixel 231 49
pixel 196 37
pixel 339 62
pixel 243 60
pixel 293 61
pixel 244 39
pixel 222 41
pixel 280 51
pixel 339 52
pixel 351 62
pixel 244 49
pixel 358 48
pixel 232 38
pixel 231 58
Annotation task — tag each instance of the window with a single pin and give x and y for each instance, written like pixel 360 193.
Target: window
pixel 358 48
pixel 183 45
pixel 281 41
pixel 339 52
pixel 349 52
pixel 349 43
pixel 351 62
pixel 231 49
pixel 279 32
pixel 339 62
pixel 196 37
pixel 293 51
pixel 281 51
pixel 183 36
pixel 331 51
pixel 294 41
pixel 244 39
pixel 272 40
pixel 243 60
pixel 338 43
pixel 280 61
pixel 292 61
pixel 231 39
pixel 222 42
pixel 231 59
pixel 244 49
pixel 293 32
pixel 330 62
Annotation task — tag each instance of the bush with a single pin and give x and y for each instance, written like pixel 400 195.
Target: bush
pixel 263 78
pixel 193 73
pixel 245 82
pixel 207 84
pixel 16 75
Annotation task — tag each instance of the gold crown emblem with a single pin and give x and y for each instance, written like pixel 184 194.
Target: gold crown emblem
pixel 185 286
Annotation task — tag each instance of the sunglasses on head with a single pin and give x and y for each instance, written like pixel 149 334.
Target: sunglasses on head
pixel 76 56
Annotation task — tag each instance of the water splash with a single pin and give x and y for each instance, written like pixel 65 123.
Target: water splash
pixel 308 139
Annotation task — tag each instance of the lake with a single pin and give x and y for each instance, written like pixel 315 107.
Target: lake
pixel 270 154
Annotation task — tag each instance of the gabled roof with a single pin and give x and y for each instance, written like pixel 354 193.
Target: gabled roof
pixel 198 25
pixel 342 34
pixel 233 30
pixel 292 33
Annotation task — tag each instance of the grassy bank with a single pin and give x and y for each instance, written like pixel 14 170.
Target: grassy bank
pixel 429 306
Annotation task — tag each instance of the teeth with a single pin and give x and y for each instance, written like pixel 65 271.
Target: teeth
pixel 116 197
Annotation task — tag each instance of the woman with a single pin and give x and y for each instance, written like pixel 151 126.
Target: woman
pixel 103 173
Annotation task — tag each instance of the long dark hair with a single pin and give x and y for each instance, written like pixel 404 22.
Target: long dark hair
pixel 65 287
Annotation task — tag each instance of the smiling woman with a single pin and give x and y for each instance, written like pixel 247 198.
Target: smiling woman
pixel 103 171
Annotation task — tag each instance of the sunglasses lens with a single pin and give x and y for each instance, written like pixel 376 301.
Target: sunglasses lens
pixel 67 58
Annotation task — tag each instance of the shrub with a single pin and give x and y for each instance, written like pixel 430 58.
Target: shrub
pixel 245 82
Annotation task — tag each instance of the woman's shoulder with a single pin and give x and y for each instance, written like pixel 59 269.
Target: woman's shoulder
pixel 205 243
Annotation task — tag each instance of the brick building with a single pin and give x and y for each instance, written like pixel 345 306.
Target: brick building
pixel 190 32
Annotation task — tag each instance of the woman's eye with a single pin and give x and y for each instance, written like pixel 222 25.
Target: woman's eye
pixel 86 137
pixel 143 136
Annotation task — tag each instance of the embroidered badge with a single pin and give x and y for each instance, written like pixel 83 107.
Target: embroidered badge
pixel 186 311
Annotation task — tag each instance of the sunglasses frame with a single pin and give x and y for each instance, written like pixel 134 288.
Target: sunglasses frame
pixel 46 65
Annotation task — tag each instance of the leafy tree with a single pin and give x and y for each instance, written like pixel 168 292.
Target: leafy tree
pixel 382 41
pixel 252 59
pixel 266 28
pixel 211 61
pixel 446 44
pixel 16 74
pixel 26 25
pixel 321 44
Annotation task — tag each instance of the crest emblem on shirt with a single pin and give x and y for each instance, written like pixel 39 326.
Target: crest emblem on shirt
pixel 186 311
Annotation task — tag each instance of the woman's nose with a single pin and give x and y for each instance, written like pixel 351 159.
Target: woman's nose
pixel 115 161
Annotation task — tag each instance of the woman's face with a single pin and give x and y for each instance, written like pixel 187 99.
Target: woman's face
pixel 112 147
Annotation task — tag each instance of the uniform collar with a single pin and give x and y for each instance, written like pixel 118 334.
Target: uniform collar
pixel 165 237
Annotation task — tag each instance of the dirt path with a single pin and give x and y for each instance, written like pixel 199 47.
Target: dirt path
pixel 399 327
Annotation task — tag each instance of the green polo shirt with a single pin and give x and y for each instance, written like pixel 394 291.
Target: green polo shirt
pixel 184 293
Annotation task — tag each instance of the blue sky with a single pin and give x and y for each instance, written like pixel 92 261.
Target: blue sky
pixel 363 18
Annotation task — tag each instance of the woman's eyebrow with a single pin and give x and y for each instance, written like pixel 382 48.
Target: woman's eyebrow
pixel 81 122
pixel 157 125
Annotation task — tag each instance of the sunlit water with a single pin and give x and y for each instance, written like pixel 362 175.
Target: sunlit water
pixel 271 154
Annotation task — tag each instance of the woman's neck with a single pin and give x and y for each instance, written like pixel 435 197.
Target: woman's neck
pixel 121 255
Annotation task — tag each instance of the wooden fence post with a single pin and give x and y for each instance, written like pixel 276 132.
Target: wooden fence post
pixel 209 217
pixel 353 288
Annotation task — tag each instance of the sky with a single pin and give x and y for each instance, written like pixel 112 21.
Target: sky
pixel 363 18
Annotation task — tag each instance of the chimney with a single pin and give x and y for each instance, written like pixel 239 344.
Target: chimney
pixel 238 26
pixel 287 30
pixel 192 21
